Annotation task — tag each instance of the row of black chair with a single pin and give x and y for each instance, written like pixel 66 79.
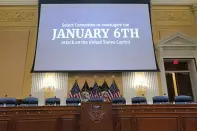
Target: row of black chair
pixel 7 101
pixel 75 101
pixel 27 101
pixel 31 101
pixel 137 100
pixel 182 99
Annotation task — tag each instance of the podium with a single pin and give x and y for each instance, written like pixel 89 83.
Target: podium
pixel 96 116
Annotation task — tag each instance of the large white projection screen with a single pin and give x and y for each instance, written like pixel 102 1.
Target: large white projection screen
pixel 94 37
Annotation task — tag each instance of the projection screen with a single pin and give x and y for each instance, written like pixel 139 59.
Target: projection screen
pixel 94 37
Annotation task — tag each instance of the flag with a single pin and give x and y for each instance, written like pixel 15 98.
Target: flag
pixel 91 88
pixel 95 93
pixel 85 91
pixel 105 92
pixel 114 91
pixel 75 91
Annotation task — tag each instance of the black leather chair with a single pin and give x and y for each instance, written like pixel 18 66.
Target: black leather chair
pixel 96 100
pixel 73 101
pixel 52 101
pixel 30 101
pixel 8 101
pixel 182 99
pixel 160 100
pixel 139 100
pixel 120 100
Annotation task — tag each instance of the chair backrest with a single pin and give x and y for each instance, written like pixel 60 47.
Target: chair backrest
pixel 182 99
pixel 2 101
pixel 96 100
pixel 120 100
pixel 8 101
pixel 30 101
pixel 160 100
pixel 139 100
pixel 52 101
pixel 73 101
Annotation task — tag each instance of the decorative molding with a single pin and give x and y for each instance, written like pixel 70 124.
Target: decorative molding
pixel 173 2
pixel 16 15
pixel 194 7
pixel 172 16
pixel 178 41
pixel 18 2
pixel 179 48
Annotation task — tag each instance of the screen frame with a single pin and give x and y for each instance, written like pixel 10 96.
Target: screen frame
pixel 94 2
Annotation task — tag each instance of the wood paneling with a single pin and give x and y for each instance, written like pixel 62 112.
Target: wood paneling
pixel 36 125
pixel 126 124
pixel 96 116
pixel 125 118
pixel 69 124
pixel 190 123
pixel 3 125
pixel 157 124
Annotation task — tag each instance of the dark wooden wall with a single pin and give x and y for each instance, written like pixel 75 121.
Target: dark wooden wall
pixel 125 118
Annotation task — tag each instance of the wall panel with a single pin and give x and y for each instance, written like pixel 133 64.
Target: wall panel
pixel 13 50
pixel 18 29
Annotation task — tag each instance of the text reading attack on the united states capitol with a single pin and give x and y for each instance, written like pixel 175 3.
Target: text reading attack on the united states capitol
pixel 95 34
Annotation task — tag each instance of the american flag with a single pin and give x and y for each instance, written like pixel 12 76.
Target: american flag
pixel 105 92
pixel 85 91
pixel 95 93
pixel 114 91
pixel 75 91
